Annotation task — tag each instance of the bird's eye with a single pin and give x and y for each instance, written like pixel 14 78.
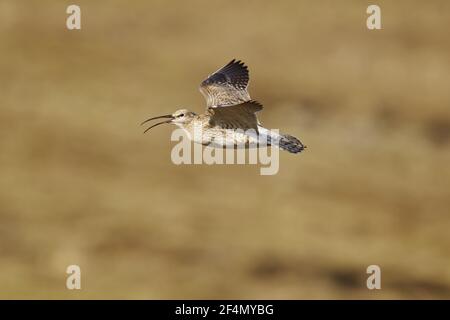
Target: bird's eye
pixel 181 115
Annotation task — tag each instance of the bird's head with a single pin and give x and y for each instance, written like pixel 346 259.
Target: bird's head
pixel 179 117
pixel 182 116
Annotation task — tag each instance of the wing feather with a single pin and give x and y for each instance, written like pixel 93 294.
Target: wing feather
pixel 240 116
pixel 227 86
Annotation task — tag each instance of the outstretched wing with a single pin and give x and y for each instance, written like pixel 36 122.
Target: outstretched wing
pixel 239 116
pixel 227 86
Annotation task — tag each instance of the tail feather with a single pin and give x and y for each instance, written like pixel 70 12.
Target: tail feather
pixel 291 144
pixel 283 141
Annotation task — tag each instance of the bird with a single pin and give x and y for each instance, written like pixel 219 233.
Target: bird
pixel 230 118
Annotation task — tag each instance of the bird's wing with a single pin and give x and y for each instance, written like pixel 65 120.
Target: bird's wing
pixel 227 86
pixel 239 116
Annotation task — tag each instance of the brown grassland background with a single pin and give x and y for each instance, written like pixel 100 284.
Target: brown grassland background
pixel 80 183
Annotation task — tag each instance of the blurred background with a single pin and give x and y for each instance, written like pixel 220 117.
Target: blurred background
pixel 80 183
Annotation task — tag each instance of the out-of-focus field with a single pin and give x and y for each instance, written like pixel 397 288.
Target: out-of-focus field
pixel 80 183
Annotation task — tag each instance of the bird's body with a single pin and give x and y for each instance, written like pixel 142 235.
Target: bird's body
pixel 230 118
pixel 200 131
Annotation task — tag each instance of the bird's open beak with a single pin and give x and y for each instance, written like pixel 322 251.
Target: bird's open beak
pixel 160 117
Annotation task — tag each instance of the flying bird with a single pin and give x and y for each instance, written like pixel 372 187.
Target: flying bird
pixel 230 117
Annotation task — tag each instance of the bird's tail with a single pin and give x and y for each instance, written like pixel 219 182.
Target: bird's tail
pixel 283 141
pixel 290 143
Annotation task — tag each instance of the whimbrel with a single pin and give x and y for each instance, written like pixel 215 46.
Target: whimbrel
pixel 230 117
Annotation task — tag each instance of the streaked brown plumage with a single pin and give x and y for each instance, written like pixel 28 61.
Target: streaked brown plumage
pixel 229 112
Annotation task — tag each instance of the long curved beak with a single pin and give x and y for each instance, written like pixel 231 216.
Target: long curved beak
pixel 160 117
